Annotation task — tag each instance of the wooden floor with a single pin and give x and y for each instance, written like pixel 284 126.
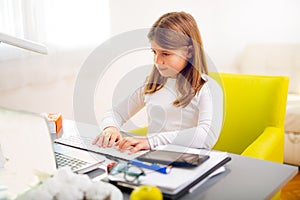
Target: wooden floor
pixel 291 191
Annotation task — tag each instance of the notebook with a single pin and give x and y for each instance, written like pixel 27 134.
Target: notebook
pixel 26 150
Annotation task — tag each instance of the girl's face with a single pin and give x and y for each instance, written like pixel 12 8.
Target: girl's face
pixel 170 62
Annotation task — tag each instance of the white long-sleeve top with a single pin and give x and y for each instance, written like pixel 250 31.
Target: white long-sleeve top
pixel 196 125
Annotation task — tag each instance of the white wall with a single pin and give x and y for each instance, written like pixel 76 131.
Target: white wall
pixel 227 27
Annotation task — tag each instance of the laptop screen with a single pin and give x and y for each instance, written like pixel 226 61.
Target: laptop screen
pixel 25 147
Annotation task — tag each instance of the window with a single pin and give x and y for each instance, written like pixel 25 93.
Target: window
pixel 60 23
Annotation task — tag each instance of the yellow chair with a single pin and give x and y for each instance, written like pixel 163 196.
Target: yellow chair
pixel 254 115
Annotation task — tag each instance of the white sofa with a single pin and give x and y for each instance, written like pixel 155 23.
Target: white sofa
pixel 41 83
pixel 45 83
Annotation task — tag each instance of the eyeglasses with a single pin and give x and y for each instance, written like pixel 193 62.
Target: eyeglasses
pixel 131 172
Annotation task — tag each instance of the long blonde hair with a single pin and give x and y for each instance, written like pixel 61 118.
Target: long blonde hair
pixel 173 31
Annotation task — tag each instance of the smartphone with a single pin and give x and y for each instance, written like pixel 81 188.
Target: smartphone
pixel 176 159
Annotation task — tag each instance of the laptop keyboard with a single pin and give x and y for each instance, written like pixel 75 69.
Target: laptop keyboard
pixel 64 160
pixel 85 143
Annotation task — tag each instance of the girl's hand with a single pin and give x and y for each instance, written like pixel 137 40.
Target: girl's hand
pixel 137 144
pixel 108 137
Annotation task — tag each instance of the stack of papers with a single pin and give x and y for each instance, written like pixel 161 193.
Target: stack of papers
pixel 180 180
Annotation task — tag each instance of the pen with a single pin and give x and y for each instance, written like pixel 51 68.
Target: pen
pixel 152 166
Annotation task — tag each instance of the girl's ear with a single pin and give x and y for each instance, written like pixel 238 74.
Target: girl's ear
pixel 190 51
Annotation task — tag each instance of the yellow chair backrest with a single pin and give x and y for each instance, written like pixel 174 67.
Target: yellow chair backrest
pixel 252 103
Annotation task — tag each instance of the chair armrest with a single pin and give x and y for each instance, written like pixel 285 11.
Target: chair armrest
pixel 268 146
pixel 140 131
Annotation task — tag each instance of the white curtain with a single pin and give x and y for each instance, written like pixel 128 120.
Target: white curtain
pixel 59 23
pixel 11 17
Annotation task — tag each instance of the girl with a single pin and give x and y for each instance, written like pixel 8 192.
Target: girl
pixel 184 105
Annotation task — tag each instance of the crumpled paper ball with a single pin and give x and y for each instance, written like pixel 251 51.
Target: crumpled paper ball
pixel 66 185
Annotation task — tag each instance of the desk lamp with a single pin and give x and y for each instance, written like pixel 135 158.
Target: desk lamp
pixel 22 43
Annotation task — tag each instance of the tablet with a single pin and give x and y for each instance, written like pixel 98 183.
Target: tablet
pixel 176 159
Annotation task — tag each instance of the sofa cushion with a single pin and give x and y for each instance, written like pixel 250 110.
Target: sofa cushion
pixel 36 69
pixel 293 114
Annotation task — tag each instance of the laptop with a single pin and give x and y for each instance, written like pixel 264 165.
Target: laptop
pixel 26 151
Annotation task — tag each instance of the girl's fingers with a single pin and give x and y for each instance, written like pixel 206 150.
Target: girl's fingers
pixel 96 139
pixel 106 140
pixel 137 148
pixel 112 140
pixel 121 143
pixel 100 141
pixel 118 143
pixel 129 142
pixel 124 144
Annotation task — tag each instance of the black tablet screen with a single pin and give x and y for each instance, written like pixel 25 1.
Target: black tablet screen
pixel 177 159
